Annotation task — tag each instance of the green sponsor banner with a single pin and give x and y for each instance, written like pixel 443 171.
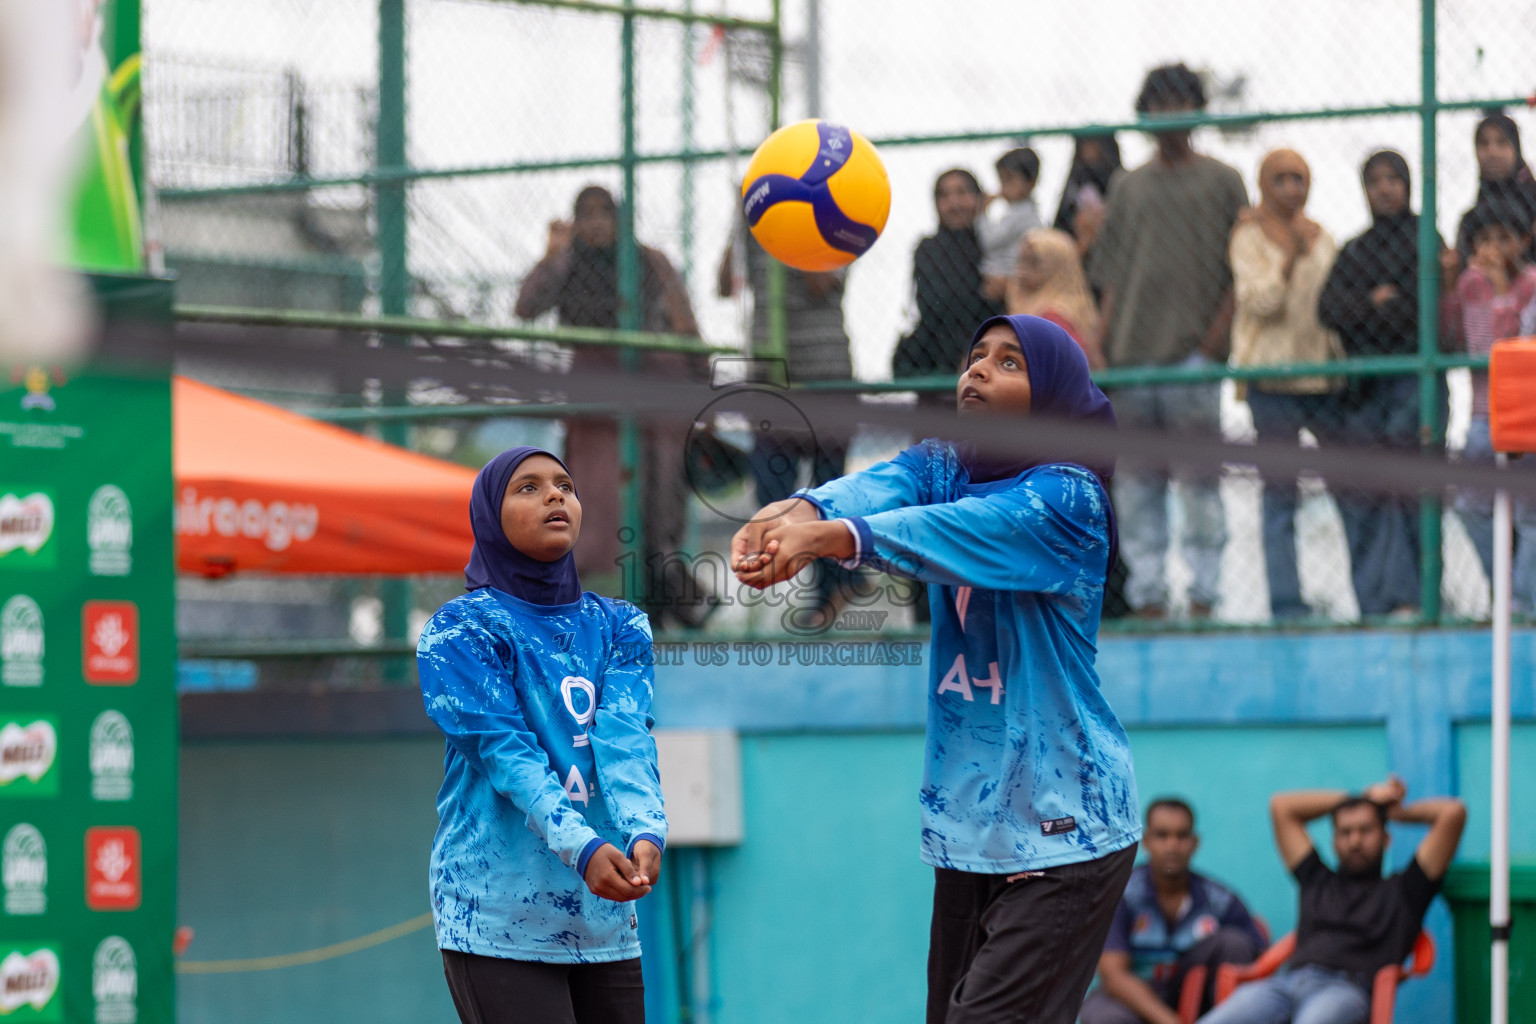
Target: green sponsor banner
pixel 88 733
pixel 31 988
pixel 29 755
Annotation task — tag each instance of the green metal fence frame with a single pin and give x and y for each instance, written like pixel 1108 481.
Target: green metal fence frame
pixel 392 174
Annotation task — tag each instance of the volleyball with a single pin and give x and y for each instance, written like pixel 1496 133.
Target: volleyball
pixel 816 195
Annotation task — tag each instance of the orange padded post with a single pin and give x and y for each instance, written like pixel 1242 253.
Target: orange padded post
pixel 1512 395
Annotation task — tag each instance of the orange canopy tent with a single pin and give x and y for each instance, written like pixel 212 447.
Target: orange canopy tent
pixel 259 488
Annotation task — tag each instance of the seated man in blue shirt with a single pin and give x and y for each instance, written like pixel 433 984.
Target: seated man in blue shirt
pixel 1169 920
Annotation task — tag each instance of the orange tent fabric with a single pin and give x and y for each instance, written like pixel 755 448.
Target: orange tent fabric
pixel 262 489
pixel 1512 395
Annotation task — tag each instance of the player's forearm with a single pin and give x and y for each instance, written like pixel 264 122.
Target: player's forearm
pixel 1428 811
pixel 1304 805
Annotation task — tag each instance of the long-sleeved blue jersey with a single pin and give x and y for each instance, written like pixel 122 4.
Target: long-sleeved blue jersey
pixel 1028 767
pixel 547 714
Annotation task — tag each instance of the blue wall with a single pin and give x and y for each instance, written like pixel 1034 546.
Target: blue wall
pixel 821 914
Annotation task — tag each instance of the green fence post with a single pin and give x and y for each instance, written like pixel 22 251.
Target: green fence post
pixel 1430 427
pixel 394 269
pixel 776 320
pixel 631 318
pixel 688 142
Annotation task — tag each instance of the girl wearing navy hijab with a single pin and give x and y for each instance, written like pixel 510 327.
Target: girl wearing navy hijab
pixel 550 816
pixel 1029 806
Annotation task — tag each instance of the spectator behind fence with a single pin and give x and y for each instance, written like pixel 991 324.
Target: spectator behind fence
pixel 1492 294
pixel 1371 299
pixel 946 275
pixel 816 348
pixel 1048 282
pixel 1351 921
pixel 1095 162
pixel 1280 260
pixel 1503 177
pixel 1169 920
pixel 578 278
pixel 1002 232
pixel 1161 262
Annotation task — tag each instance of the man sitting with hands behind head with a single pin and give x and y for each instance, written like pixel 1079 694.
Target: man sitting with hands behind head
pixel 1352 921
pixel 1169 920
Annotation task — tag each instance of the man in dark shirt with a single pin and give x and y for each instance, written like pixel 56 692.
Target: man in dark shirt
pixel 1169 920
pixel 1352 922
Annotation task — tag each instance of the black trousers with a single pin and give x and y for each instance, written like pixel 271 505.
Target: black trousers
pixel 490 990
pixel 1020 948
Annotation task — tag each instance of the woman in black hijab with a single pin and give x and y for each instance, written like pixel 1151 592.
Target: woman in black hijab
pixel 946 273
pixel 1095 160
pixel 1504 178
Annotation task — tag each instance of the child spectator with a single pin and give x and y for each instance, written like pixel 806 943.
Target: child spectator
pixel 1048 282
pixel 1280 260
pixel 1493 291
pixel 1017 172
pixel 550 814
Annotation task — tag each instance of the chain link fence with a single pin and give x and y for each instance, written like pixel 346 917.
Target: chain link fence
pixel 263 125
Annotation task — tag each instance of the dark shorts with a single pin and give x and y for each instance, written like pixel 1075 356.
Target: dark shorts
pixel 489 990
pixel 1020 947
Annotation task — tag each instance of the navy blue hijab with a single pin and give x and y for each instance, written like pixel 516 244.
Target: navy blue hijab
pixel 494 562
pixel 1060 388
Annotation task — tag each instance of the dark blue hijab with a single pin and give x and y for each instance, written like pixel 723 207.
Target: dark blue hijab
pixel 494 562
pixel 1060 388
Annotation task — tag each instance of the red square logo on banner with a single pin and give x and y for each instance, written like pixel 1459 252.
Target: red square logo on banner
pixel 109 634
pixel 112 875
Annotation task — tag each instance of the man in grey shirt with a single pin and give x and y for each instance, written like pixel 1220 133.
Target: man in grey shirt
pixel 1160 263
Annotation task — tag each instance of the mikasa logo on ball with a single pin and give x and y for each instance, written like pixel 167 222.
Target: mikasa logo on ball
pixel 109 531
pixel 24 869
pixel 115 982
pixel 21 642
pixel 111 757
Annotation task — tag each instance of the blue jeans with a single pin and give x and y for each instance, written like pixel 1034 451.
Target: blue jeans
pixel 1278 417
pixel 1476 511
pixel 1307 995
pixel 1382 530
pixel 1141 495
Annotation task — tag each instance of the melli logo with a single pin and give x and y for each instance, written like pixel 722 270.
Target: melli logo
pixel 109 634
pixel 21 642
pixel 26 526
pixel 113 880
pixel 109 531
pixel 29 978
pixel 28 750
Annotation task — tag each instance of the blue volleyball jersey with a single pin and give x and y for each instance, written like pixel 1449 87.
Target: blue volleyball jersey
pixel 1154 943
pixel 546 710
pixel 1028 767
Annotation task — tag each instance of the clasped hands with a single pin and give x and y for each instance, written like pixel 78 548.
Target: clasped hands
pixel 783 538
pixel 614 876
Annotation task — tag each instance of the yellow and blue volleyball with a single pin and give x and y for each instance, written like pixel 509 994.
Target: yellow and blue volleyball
pixel 816 195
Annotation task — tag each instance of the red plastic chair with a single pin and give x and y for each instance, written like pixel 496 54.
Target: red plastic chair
pixel 1192 991
pixel 1383 989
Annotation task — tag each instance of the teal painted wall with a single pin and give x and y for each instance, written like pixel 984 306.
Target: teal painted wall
pixel 822 913
pixel 1474 767
pixel 287 847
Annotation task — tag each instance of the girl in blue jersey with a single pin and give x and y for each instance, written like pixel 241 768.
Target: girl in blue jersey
pixel 1028 802
pixel 550 816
